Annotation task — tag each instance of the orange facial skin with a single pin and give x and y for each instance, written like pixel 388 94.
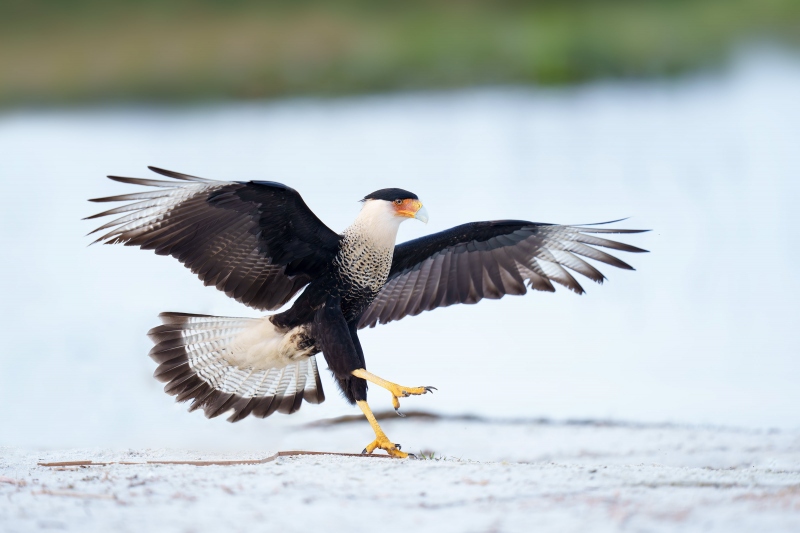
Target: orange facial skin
pixel 407 208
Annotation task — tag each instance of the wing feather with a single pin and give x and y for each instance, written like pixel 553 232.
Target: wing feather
pixel 256 241
pixel 489 260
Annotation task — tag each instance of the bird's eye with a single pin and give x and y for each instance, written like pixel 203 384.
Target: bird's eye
pixel 398 201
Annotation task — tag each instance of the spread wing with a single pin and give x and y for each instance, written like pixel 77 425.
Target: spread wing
pixel 256 241
pixel 481 260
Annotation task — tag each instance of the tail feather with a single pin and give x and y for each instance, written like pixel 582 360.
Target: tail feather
pixel 197 361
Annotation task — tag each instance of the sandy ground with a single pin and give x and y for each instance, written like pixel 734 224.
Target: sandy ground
pixel 483 476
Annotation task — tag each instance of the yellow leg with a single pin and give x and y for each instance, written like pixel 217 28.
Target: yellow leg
pixel 381 440
pixel 393 388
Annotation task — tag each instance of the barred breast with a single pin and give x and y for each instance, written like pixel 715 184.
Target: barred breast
pixel 364 262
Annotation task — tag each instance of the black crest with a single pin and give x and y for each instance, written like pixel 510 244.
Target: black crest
pixel 391 195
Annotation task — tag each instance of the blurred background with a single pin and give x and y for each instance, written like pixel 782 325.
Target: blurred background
pixel 85 51
pixel 683 115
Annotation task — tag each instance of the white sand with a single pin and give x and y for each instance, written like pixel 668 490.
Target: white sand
pixel 490 477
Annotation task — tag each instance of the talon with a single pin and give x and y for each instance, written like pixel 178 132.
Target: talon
pixel 384 444
pixel 430 389
pixel 364 451
pixel 401 415
pixel 398 446
pixel 412 456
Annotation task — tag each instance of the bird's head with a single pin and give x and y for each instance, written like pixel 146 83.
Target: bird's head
pixel 396 203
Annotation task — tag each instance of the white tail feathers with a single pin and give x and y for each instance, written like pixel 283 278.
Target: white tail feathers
pixel 240 364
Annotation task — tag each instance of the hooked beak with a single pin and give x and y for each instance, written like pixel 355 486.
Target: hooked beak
pixel 422 214
pixel 412 209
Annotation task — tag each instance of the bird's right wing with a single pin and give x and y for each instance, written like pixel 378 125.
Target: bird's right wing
pixel 256 241
pixel 481 260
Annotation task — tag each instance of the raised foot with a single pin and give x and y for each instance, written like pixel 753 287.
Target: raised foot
pixel 397 391
pixel 404 392
pixel 383 443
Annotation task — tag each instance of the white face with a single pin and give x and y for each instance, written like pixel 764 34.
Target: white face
pixel 397 211
pixel 381 218
pixel 400 208
pixel 379 212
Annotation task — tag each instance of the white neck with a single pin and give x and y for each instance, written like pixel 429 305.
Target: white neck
pixel 376 223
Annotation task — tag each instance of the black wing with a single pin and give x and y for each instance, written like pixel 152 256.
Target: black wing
pixel 481 260
pixel 256 241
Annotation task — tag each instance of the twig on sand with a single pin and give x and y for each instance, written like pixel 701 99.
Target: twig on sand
pixel 72 494
pixel 11 480
pixel 212 463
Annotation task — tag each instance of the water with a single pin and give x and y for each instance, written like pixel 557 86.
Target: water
pixel 703 332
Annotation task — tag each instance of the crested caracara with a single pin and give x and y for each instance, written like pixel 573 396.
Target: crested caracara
pixel 258 242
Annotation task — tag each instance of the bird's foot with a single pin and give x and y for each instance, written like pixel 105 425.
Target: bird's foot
pixel 398 391
pixel 381 442
pixel 404 392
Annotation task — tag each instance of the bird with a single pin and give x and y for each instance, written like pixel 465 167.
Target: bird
pixel 259 243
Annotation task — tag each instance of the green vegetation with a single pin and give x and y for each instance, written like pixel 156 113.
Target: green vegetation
pixel 427 456
pixel 58 51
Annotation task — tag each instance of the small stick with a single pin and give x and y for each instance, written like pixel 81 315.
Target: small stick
pixel 212 463
pixel 75 494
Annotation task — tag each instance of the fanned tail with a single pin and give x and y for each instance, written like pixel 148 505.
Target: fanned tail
pixel 198 354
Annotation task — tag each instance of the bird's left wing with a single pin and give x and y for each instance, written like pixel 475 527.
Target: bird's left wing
pixel 489 260
pixel 256 241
